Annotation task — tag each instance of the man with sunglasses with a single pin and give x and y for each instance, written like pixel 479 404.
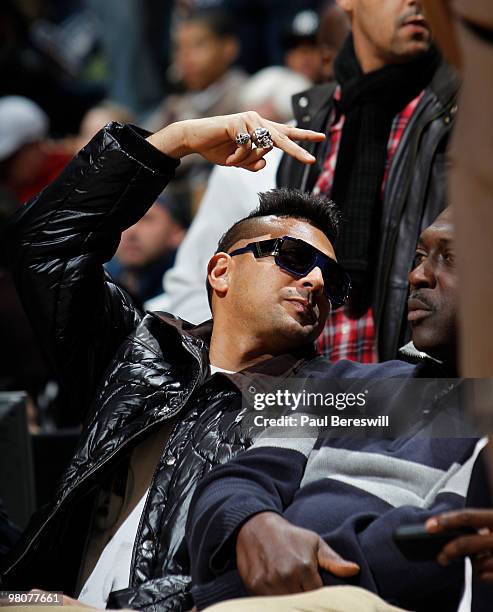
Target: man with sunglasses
pixel 155 420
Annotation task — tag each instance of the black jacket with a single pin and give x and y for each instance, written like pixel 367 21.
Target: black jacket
pixel 414 194
pixel 125 372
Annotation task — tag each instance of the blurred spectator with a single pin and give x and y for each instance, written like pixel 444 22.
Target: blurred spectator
pixel 97 117
pixel 333 29
pixel 301 49
pixel 28 162
pixel 260 23
pixel 100 115
pixel 311 42
pixel 269 92
pixel 148 248
pixel 206 48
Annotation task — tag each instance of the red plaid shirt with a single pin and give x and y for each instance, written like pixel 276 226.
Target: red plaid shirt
pixel 345 337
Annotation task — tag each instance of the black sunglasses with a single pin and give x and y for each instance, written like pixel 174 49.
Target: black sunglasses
pixel 299 258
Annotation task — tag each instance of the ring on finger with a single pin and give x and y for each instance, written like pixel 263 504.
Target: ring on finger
pixel 262 138
pixel 242 138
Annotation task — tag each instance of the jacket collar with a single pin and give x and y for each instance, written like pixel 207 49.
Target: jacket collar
pixel 445 83
pixel 311 106
pixel 410 353
pixel 282 365
pixel 429 366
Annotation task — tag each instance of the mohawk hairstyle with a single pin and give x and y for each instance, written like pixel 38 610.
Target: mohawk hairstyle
pixel 284 203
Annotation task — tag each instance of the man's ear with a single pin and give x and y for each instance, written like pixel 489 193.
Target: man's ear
pixel 218 273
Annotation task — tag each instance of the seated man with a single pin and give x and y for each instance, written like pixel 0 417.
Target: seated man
pixel 142 383
pixel 269 521
pixel 155 419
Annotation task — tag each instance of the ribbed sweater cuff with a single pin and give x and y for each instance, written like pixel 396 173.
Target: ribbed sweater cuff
pixel 232 521
pixel 227 586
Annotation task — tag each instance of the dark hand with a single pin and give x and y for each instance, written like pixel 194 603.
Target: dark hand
pixel 274 557
pixel 479 547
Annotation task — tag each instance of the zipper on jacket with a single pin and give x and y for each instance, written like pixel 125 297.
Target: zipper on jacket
pixel 198 356
pixel 141 520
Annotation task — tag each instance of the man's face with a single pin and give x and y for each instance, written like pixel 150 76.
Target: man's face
pixel 201 56
pixel 305 59
pixel 395 31
pixel 149 239
pixel 433 295
pixel 279 310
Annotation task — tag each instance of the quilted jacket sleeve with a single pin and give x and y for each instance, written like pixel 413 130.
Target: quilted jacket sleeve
pixel 57 244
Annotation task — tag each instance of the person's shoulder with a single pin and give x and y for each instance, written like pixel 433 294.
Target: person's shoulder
pixel 386 369
pixel 344 368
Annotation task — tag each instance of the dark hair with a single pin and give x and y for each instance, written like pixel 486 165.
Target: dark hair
pixel 219 22
pixel 317 210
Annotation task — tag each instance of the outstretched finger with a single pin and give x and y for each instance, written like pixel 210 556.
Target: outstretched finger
pixel 283 142
pixel 295 133
pixel 281 135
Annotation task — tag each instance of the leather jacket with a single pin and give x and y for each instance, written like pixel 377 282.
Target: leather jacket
pixel 127 374
pixel 415 191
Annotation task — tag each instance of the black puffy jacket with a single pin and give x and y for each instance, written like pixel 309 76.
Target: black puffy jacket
pixel 415 191
pixel 126 373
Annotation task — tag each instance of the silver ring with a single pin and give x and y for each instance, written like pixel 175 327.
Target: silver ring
pixel 242 139
pixel 262 138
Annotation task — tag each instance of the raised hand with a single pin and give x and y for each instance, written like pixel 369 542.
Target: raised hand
pixel 215 139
